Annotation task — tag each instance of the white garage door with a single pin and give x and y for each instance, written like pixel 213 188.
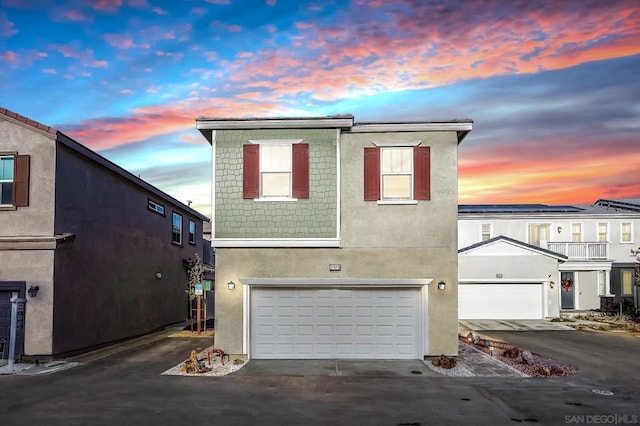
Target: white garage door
pixel 500 301
pixel 289 323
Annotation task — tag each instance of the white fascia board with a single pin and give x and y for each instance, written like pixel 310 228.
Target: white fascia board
pixel 586 265
pixel 274 242
pixel 412 127
pixel 336 282
pixel 320 123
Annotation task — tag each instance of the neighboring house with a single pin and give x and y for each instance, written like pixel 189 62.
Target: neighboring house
pixel 331 237
pixel 590 246
pixel 103 248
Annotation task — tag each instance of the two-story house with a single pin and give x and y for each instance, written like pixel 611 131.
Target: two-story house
pixel 96 252
pixel 529 261
pixel 335 239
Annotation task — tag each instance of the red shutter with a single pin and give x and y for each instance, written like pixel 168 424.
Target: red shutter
pixel 300 170
pixel 371 174
pixel 421 173
pixel 251 171
pixel 21 181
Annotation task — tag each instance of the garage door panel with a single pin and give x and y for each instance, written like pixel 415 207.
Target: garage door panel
pixel 500 301
pixel 335 323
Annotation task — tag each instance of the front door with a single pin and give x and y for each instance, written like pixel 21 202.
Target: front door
pixel 567 290
pixel 7 289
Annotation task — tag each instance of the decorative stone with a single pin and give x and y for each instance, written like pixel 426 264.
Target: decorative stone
pixel 476 340
pixel 444 361
pixel 527 357
pixel 511 352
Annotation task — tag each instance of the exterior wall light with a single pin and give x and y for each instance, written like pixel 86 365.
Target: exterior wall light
pixel 158 275
pixel 552 284
pixel 33 291
pixel 442 285
pixel 559 229
pixel 231 285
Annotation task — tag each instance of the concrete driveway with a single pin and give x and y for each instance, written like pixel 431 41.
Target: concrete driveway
pixel 127 387
pixel 513 325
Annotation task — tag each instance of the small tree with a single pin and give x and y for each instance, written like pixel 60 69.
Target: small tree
pixel 194 276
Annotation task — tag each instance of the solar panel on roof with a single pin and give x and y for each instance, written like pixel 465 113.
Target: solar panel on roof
pixel 516 208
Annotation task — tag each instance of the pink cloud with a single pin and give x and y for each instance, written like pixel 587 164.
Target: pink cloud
pixel 107 5
pixel 218 1
pixel 9 56
pixel 7 28
pixel 76 16
pixel 123 42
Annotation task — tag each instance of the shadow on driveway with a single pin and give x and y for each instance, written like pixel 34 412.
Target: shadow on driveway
pixel 332 367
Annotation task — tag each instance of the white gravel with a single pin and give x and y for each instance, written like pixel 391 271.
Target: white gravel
pixel 216 368
pixel 458 371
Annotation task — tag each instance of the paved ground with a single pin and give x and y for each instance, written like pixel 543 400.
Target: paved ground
pixel 126 387
pixel 514 325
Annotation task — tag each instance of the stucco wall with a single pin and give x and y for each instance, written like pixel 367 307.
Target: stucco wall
pixel 105 283
pixel 314 217
pixel 35 267
pixel 37 218
pixel 378 241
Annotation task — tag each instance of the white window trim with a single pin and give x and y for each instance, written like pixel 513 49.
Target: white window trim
pixel 490 230
pixel 598 231
pixel 275 142
pixel 631 241
pixel 622 271
pixel 398 144
pixel 540 223
pixel 396 202
pixel 581 231
pixel 14 175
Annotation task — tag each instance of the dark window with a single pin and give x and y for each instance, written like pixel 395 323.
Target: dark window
pixel 192 232
pixel 176 228
pixel 155 207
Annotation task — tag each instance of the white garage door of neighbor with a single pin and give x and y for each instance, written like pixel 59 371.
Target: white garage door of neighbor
pixel 290 323
pixel 500 301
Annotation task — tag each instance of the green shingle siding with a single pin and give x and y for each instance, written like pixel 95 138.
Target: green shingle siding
pixel 315 217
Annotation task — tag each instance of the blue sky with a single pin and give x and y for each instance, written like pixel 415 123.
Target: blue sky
pixel 551 85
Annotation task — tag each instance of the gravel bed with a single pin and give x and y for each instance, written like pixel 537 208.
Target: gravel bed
pixel 216 369
pixel 458 371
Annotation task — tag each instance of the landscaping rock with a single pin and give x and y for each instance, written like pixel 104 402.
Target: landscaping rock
pixel 527 358
pixel 445 361
pixel 511 352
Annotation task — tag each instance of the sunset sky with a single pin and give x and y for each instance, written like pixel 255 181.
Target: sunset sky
pixel 552 86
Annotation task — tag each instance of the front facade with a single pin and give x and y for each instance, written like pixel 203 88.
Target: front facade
pixel 596 241
pixel 103 248
pixel 331 237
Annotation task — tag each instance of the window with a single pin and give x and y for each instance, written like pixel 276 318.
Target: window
pixel 14 180
pixel 397 173
pixel 539 232
pixel 603 232
pixel 626 232
pixel 626 282
pixel 155 207
pixel 276 170
pixel 192 232
pixel 176 228
pixel 486 231
pixel 602 277
pixel 576 232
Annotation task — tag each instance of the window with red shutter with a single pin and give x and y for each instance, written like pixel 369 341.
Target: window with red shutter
pixel 389 175
pixel 251 171
pixel 300 170
pixel 421 173
pixel 21 181
pixel 371 173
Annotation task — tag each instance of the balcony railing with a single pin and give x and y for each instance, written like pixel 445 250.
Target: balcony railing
pixel 579 251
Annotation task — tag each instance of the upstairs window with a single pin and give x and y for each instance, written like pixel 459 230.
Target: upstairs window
pixel 603 232
pixel 192 232
pixel 626 232
pixel 176 228
pixel 14 180
pixel 626 285
pixel 486 231
pixel 576 232
pixel 155 207
pixel 539 232
pixel 276 170
pixel 397 173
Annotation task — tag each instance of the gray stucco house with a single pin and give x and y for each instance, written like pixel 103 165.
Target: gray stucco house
pixel 103 248
pixel 335 239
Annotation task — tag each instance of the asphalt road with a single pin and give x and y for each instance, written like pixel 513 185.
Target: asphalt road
pixel 127 388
